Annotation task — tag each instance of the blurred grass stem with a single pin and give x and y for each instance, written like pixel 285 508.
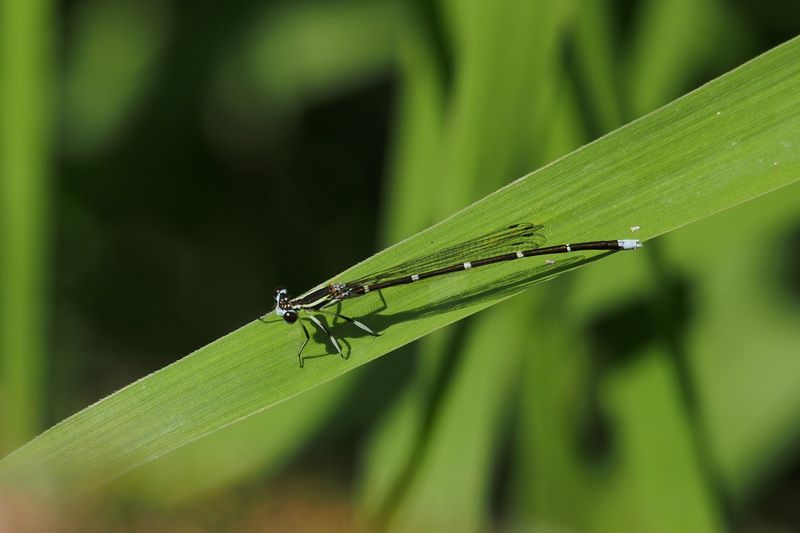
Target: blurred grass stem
pixel 25 121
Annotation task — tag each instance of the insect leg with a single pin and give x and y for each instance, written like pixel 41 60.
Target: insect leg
pixel 328 333
pixel 300 353
pixel 351 320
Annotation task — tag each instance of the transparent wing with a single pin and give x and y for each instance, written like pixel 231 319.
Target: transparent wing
pixel 521 236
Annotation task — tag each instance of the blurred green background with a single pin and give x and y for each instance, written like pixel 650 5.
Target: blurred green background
pixel 163 166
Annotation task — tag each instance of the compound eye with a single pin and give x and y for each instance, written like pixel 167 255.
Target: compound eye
pixel 290 317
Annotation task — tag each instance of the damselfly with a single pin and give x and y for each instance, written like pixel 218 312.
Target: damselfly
pixel 508 244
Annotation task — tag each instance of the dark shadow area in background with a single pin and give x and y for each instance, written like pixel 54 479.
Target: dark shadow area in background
pixel 774 505
pixel 585 100
pixel 429 18
pixel 614 339
pixel 786 279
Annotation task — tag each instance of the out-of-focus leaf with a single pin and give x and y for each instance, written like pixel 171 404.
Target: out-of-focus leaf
pixel 114 49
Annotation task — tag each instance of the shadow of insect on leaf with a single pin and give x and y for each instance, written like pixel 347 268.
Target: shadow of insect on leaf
pixel 615 339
